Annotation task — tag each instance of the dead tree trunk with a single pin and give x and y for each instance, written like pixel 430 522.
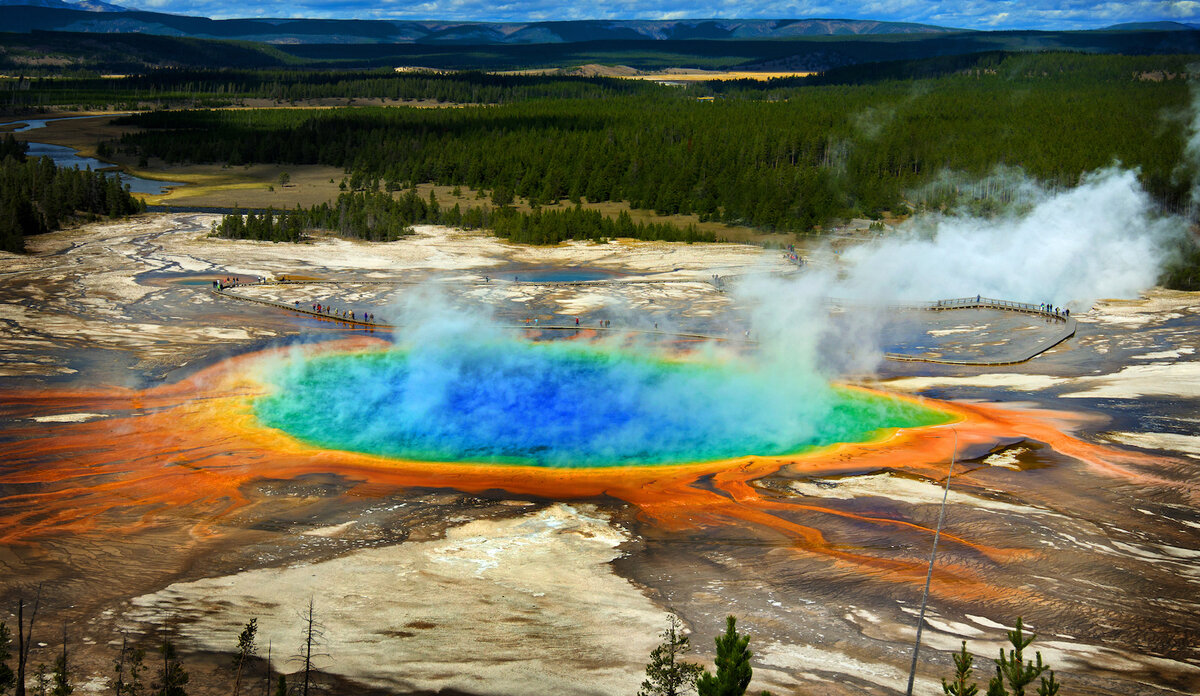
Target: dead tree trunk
pixel 308 642
pixel 25 638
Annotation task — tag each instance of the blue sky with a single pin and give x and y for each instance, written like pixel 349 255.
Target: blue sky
pixel 967 14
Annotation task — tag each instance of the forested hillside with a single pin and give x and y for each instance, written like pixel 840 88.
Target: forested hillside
pixel 58 53
pixel 381 217
pixel 217 88
pixel 37 197
pixel 785 156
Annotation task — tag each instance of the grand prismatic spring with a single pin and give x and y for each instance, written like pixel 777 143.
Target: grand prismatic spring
pixel 478 509
pixel 556 405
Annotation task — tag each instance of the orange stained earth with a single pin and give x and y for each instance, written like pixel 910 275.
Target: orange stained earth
pixel 189 450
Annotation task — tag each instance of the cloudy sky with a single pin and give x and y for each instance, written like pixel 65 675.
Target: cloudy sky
pixel 967 14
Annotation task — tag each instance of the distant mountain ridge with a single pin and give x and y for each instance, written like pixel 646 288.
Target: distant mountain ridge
pixel 1154 26
pixel 85 5
pixel 24 16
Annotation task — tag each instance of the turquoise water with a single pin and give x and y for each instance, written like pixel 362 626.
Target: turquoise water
pixel 565 406
pixel 553 274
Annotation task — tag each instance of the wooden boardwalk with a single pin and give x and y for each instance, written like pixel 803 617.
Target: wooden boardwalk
pixel 339 318
pixel 1067 329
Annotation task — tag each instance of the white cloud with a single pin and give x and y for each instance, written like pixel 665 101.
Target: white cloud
pixel 1186 8
pixel 970 14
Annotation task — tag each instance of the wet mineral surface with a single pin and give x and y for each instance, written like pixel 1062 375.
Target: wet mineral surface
pixel 138 489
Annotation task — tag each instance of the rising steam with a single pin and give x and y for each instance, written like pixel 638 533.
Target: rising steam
pixel 1102 239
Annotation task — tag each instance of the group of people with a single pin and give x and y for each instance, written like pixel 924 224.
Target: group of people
pixel 1051 309
pixel 326 310
pixel 1045 307
pixel 793 256
pixel 603 323
pixel 232 281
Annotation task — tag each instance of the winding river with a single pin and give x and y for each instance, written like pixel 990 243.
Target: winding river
pixel 64 156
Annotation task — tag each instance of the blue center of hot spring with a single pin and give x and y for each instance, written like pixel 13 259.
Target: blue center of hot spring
pixel 562 405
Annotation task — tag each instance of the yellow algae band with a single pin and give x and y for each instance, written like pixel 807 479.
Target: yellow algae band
pixel 566 406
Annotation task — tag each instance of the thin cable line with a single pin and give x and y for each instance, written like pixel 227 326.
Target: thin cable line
pixel 912 672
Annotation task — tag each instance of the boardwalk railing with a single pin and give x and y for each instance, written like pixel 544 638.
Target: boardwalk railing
pixel 341 318
pixel 977 302
pixel 937 305
pixel 992 303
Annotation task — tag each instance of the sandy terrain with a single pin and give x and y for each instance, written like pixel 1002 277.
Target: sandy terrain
pixel 537 575
pixel 669 75
pixel 98 299
pixel 250 186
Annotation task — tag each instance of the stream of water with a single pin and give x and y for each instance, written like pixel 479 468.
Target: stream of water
pixel 64 156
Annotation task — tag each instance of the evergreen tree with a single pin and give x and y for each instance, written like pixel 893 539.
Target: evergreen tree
pixel 246 649
pixel 8 678
pixel 1182 271
pixel 137 666
pixel 961 686
pixel 733 665
pixel 281 687
pixel 62 675
pixel 666 675
pixel 119 684
pixel 37 197
pixel 131 685
pixel 172 677
pixel 996 686
pixel 11 147
pixel 41 679
pixel 1013 673
pixel 1012 668
pixel 502 195
pixel 1048 686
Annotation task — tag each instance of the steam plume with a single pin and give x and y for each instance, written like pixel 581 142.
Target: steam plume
pixel 1102 239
